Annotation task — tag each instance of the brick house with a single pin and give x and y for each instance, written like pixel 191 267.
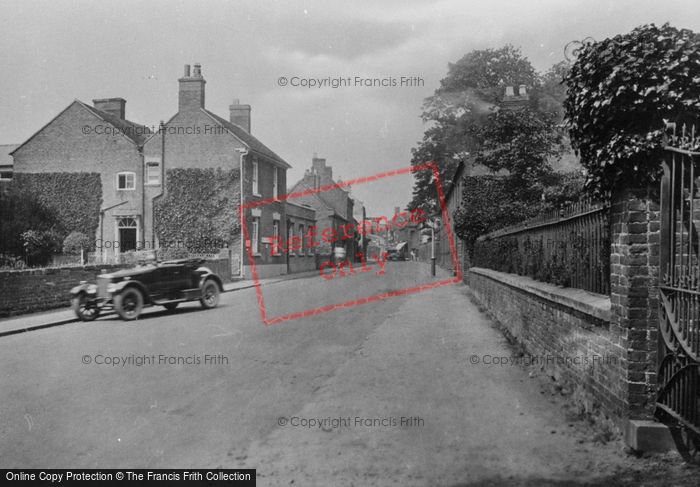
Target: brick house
pixel 197 138
pixel 134 164
pixel 334 207
pixel 300 256
pixel 453 200
pixel 95 139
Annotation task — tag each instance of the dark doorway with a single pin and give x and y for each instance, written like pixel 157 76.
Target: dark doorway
pixel 127 234
pixel 127 239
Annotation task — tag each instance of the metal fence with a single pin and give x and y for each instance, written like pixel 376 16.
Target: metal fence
pixel 569 247
pixel 679 325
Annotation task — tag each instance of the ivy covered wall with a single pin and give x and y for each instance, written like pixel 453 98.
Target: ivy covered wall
pixel 200 210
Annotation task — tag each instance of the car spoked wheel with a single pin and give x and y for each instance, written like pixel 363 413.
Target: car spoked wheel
pixel 85 308
pixel 210 294
pixel 129 303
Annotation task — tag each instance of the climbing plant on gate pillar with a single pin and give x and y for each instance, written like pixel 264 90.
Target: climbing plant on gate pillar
pixel 620 91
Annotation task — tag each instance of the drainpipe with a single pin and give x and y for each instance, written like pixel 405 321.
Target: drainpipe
pixel 243 152
pixel 143 198
pixel 161 129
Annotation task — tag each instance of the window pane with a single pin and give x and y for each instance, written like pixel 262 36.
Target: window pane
pixel 254 242
pixel 255 177
pixel 153 173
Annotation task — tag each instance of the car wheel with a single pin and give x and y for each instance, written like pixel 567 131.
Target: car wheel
pixel 210 294
pixel 129 303
pixel 170 306
pixel 85 309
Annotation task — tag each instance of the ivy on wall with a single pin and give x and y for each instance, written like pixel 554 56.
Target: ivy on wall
pixel 73 198
pixel 200 210
pixel 620 91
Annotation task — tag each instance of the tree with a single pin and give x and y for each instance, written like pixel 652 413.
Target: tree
pixel 620 91
pixel 20 212
pixel 465 99
pixel 520 143
pixel 40 246
pixel 76 242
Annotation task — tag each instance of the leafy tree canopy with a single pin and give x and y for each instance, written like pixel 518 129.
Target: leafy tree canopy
pixel 463 123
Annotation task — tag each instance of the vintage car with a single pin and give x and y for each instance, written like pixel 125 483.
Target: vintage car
pixel 127 291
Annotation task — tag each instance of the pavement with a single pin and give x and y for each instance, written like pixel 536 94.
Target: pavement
pixel 64 316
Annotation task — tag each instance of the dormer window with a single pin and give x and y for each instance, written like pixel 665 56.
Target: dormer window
pixel 126 181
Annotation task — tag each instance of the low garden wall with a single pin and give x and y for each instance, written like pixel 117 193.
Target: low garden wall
pixel 619 327
pixel 31 290
pixel 566 330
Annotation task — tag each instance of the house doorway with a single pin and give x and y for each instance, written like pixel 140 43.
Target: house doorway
pixel 127 233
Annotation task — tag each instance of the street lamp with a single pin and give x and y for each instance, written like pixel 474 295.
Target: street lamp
pixel 434 225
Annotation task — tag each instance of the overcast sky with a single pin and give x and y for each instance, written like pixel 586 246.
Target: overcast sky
pixel 57 51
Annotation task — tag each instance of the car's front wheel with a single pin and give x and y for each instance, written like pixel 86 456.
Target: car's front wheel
pixel 129 303
pixel 85 308
pixel 210 294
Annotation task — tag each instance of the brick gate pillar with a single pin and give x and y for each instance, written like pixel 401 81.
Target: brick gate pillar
pixel 634 271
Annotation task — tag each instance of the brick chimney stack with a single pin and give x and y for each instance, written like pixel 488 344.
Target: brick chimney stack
pixel 113 106
pixel 318 167
pixel 512 100
pixel 240 115
pixel 191 94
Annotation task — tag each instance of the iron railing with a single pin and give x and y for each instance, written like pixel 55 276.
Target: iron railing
pixel 569 246
pixel 679 286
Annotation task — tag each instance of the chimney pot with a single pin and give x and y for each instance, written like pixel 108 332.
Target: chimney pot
pixel 191 93
pixel 522 91
pixel 509 91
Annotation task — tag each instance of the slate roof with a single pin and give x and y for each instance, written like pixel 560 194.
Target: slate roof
pixel 303 185
pixel 133 131
pixel 253 144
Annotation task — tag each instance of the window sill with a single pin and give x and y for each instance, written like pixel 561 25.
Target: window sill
pixel 126 189
pixel 257 194
pixel 152 184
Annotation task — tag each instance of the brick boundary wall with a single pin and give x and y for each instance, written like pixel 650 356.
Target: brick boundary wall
pixel 547 320
pixel 626 390
pixel 30 290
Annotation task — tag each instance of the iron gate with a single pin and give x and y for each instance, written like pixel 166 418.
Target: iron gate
pixel 679 283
